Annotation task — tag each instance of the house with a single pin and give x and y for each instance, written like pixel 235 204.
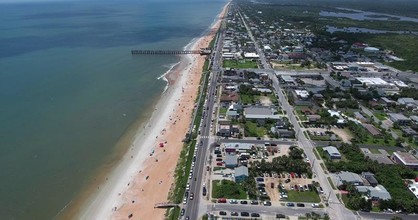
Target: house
pixel 332 152
pixel 260 113
pixel 399 118
pixel 231 160
pixel 406 101
pixel 370 178
pixel 344 177
pixel 241 174
pixel 360 117
pixel 313 118
pixel 372 130
pixel 230 97
pixel 387 102
pixel 375 193
pixel 405 159
pixel 409 131
pixel 284 133
pixel 224 131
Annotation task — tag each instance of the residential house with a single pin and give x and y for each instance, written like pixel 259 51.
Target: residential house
pixel 372 130
pixel 332 152
pixel 405 159
pixel 399 118
pixel 313 118
pixel 375 193
pixel 285 133
pixel 344 177
pixel 370 178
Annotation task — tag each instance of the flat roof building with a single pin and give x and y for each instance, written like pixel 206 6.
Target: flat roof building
pixel 406 159
pixel 332 152
pixel 260 113
pixel 348 177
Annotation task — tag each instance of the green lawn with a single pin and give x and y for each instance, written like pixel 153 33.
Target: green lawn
pixel 223 111
pixel 227 189
pixel 252 130
pixel 306 196
pixel 375 151
pixel 317 154
pixel 380 115
pixel 379 141
pixel 241 64
pixel 249 99
pixel 332 184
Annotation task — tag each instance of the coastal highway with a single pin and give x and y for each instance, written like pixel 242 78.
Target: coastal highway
pixel 336 209
pixel 196 184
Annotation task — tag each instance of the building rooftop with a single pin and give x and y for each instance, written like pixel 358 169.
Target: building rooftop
pixel 241 171
pixel 260 113
pixel 372 129
pixel 372 81
pixel 231 159
pixel 397 116
pixel 349 177
pixel 332 151
pixel 406 158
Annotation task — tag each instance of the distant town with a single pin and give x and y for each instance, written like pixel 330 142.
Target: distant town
pixel 303 125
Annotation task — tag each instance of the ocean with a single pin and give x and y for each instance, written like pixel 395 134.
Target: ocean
pixel 70 90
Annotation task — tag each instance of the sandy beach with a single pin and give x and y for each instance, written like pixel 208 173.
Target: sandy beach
pixel 146 173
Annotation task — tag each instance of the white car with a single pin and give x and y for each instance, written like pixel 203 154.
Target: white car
pixel 315 205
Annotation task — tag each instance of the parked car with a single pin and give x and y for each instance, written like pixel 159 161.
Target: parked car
pixel 182 212
pixel 234 213
pixel 245 214
pixel 222 213
pixel 254 202
pixel 267 203
pixel 280 216
pixel 243 202
pixel 315 205
pixel 287 181
pixel 233 201
pixel 255 215
pixel 300 205
pixel 290 204
pixel 221 200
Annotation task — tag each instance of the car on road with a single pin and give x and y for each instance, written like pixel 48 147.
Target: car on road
pixel 267 203
pixel 290 204
pixel 185 200
pixel 187 218
pixel 234 213
pixel 245 214
pixel 191 196
pixel 321 190
pixel 315 205
pixel 182 212
pixel 255 215
pixel 222 213
pixel 254 202
pixel 243 202
pixel 300 205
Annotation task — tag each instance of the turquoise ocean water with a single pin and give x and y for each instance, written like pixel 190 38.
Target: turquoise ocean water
pixel 70 89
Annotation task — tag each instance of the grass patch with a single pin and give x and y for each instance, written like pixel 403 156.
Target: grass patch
pixel 174 213
pixel 249 99
pixel 332 184
pixel 375 151
pixel 380 115
pixel 239 64
pixel 218 168
pixel 223 111
pixel 252 130
pixel 324 168
pixel 227 189
pixel 305 196
pixel 317 154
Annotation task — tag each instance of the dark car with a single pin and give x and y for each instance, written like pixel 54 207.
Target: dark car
pixel 254 202
pixel 222 213
pixel 255 215
pixel 290 204
pixel 245 214
pixel 234 213
pixel 280 216
pixel 300 205
pixel 182 212
pixel 243 202
pixel 287 180
pixel 267 203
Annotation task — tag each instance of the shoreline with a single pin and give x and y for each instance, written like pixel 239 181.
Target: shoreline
pixel 126 188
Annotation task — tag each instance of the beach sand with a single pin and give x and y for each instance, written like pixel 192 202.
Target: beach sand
pixel 146 173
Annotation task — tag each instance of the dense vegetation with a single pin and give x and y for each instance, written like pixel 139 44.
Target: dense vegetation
pixel 390 176
pixel 227 189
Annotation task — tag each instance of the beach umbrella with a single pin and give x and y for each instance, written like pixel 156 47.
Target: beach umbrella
pixel 161 144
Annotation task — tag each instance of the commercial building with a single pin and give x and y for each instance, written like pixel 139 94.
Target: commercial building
pixel 231 160
pixel 260 113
